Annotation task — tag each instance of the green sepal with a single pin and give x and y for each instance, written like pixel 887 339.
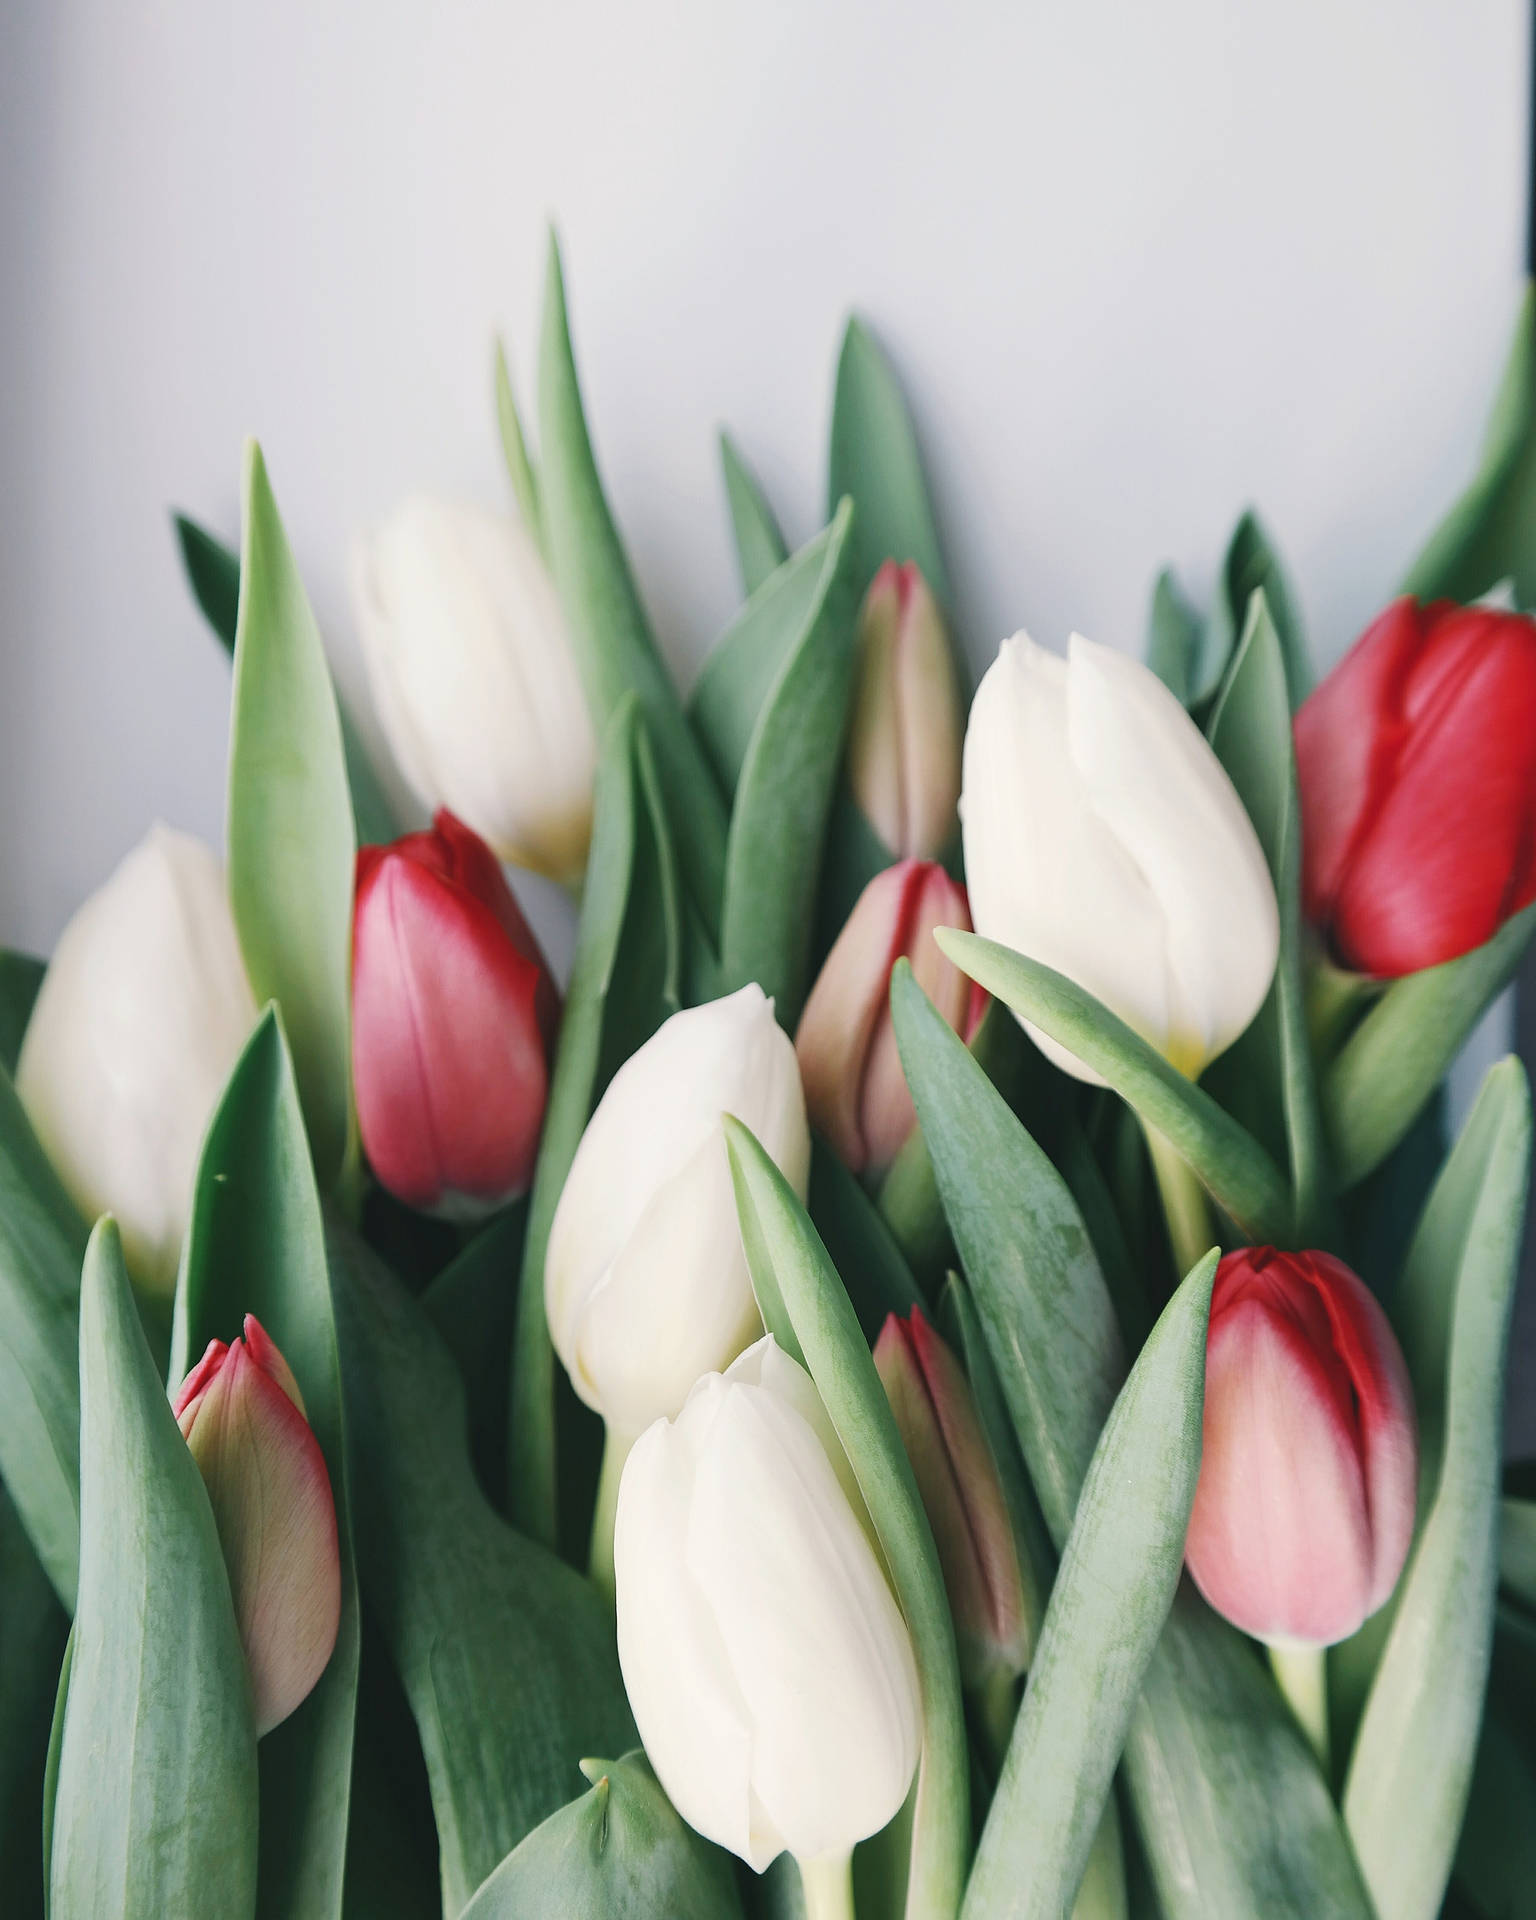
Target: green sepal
pixel 760 546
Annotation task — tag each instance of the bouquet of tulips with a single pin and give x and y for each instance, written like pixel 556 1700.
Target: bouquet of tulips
pixel 956 1367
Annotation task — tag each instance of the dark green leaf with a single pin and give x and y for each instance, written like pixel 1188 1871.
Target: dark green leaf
pixel 525 482
pixel 1253 566
pixel 1517 1549
pixel 473 1305
pixel 760 546
pixel 876 1274
pixel 33 1630
pixel 1174 637
pixel 20 978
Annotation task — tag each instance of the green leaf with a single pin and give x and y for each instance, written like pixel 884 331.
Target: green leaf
pixel 21 977
pixel 1231 1165
pixel 213 572
pixel 1486 536
pixel 804 1305
pixel 155 1811
pixel 860 1243
pixel 784 793
pixel 1252 566
pixel 874 458
pixel 1412 1762
pixel 619 1851
pixel 615 650
pixel 42 1243
pixel 33 1631
pixel 760 546
pixel 1517 1549
pixel 1403 1048
pixel 1174 638
pixel 1250 731
pixel 256 1244
pixel 624 983
pixel 525 482
pixel 291 845
pixel 1496 1853
pixel 1118 1575
pixel 473 1305
pixel 506 1655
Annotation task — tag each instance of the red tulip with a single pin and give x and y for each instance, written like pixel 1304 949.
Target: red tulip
pixel 1417 763
pixel 242 1415
pixel 1304 1509
pixel 855 1090
pixel 454 1014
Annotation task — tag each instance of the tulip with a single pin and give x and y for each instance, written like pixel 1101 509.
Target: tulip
pixel 645 1282
pixel 242 1415
pixel 1304 1509
pixel 1104 839
pixel 142 1014
pixel 767 1664
pixel 1417 764
pixel 475 682
pixel 962 1496
pixel 855 1089
pixel 904 738
pixel 454 1016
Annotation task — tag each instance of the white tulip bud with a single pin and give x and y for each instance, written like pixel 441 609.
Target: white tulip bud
pixel 142 1015
pixel 768 1666
pixel 1104 839
pixel 645 1281
pixel 470 664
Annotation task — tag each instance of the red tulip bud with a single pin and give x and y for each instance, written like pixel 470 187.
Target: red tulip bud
pixel 855 1090
pixel 1417 763
pixel 454 1014
pixel 962 1496
pixel 242 1414
pixel 1304 1509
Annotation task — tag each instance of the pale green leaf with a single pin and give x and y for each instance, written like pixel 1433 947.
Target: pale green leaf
pixel 1174 635
pixel 760 546
pixel 514 448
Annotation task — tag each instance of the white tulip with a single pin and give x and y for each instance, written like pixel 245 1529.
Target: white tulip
pixel 470 664
pixel 768 1666
pixel 142 1014
pixel 1104 839
pixel 645 1281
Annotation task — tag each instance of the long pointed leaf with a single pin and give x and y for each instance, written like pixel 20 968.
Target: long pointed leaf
pixel 1253 566
pixel 33 1631
pixel 760 546
pixel 514 448
pixel 1173 639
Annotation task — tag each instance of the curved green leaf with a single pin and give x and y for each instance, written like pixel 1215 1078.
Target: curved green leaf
pixel 1412 1762
pixel 615 650
pixel 256 1244
pixel 473 1305
pixel 1253 566
pixel 1517 1549
pixel 292 848
pixel 525 482
pixel 1117 1579
pixel 619 1851
pixel 760 546
pixel 506 1655
pixel 859 1242
pixel 155 1808
pixel 1232 1166
pixel 33 1631
pixel 1174 637
pixel 624 983
pixel 21 978
pixel 805 1306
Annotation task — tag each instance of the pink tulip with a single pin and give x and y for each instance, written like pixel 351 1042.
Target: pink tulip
pixel 454 1014
pixel 855 1091
pixel 1304 1510
pixel 242 1415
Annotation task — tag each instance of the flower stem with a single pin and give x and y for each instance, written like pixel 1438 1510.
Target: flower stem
pixel 828 1885
pixel 616 1448
pixel 1185 1207
pixel 1302 1674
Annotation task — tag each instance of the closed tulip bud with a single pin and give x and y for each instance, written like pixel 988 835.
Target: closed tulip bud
pixel 142 1015
pixel 470 664
pixel 1417 764
pixel 453 1020
pixel 962 1496
pixel 855 1089
pixel 904 738
pixel 242 1415
pixel 1104 839
pixel 1304 1509
pixel 645 1282
pixel 767 1663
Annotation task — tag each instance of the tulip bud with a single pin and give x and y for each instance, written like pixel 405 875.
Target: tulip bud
pixel 645 1282
pixel 475 682
pixel 766 1661
pixel 242 1415
pixel 962 1496
pixel 1417 764
pixel 1104 839
pixel 1304 1508
pixel 454 1016
pixel 855 1089
pixel 904 738
pixel 141 1017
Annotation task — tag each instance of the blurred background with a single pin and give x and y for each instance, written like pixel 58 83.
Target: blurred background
pixel 1137 268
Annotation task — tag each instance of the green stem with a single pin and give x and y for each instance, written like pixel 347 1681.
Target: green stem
pixel 616 1448
pixel 1185 1207
pixel 828 1885
pixel 1302 1674
pixel 996 1704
